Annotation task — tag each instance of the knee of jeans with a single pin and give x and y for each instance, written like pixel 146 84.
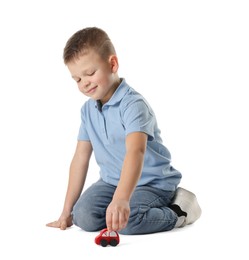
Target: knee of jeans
pixel 86 220
pixel 126 231
pixel 130 229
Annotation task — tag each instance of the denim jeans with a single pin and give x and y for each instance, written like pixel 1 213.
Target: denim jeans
pixel 148 209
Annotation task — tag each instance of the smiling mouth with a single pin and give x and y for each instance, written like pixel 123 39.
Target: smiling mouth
pixel 91 90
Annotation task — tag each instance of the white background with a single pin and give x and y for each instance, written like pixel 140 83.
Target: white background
pixel 190 60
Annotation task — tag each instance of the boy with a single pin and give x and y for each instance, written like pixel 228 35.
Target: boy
pixel 137 192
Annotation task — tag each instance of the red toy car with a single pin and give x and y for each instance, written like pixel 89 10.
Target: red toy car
pixel 107 238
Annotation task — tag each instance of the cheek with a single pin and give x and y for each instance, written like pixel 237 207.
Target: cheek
pixel 101 78
pixel 96 77
pixel 80 87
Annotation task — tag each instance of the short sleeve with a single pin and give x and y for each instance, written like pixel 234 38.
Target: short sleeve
pixel 83 135
pixel 138 117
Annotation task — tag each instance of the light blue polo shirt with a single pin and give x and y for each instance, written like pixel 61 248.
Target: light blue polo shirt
pixel 106 128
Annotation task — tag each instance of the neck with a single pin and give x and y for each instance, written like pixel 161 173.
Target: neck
pixel 115 85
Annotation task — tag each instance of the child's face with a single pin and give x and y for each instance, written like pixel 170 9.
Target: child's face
pixel 95 77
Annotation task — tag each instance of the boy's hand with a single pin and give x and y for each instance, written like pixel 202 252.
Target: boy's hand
pixel 117 215
pixel 62 223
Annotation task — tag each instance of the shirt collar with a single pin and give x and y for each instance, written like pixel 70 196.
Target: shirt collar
pixel 116 97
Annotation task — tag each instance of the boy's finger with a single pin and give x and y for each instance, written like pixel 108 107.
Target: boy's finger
pixel 63 225
pixel 115 221
pixel 52 224
pixel 109 221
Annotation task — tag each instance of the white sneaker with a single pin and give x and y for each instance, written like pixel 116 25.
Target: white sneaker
pixel 187 201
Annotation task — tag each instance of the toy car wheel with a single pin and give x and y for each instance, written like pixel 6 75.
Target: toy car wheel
pixel 113 242
pixel 103 242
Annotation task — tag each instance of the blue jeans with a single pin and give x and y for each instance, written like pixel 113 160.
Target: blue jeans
pixel 148 209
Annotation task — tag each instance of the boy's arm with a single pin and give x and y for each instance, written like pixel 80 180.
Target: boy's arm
pixel 118 211
pixel 77 177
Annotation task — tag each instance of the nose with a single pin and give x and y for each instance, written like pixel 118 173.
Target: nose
pixel 86 83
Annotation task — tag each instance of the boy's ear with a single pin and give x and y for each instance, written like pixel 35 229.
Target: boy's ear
pixel 113 60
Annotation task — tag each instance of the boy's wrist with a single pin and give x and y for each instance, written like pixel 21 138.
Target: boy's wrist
pixel 121 196
pixel 66 212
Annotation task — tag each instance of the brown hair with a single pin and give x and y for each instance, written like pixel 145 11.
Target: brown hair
pixel 86 39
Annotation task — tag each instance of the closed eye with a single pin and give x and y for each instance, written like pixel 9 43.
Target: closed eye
pixel 91 73
pixel 76 79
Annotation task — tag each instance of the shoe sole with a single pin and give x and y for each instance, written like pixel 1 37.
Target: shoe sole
pixel 187 201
